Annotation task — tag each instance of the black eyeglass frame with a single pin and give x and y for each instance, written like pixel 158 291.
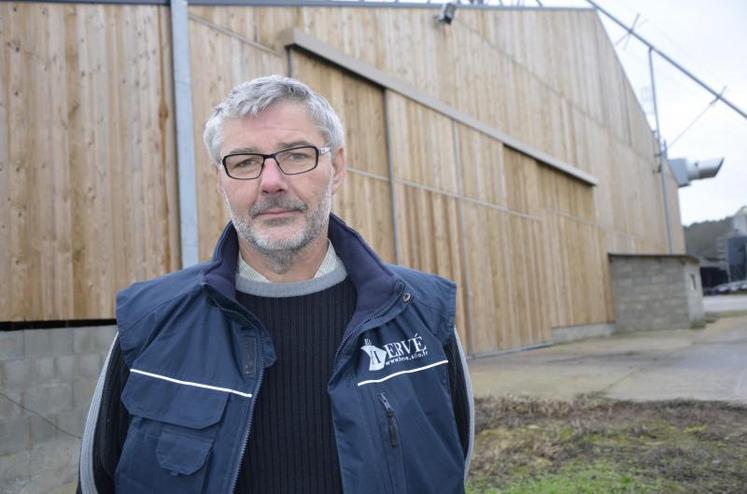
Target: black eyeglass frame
pixel 319 152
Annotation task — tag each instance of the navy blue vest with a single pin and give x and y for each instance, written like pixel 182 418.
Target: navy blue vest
pixel 197 357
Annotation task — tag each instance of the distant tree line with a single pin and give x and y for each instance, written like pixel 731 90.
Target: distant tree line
pixel 701 239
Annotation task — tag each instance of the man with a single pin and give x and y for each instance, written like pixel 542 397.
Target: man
pixel 295 360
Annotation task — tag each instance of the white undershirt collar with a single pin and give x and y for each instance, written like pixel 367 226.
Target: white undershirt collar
pixel 329 264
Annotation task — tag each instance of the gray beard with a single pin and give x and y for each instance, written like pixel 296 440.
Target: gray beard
pixel 282 253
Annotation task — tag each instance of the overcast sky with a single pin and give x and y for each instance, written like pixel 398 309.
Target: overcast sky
pixel 709 38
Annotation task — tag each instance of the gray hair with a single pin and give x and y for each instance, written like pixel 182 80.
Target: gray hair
pixel 251 98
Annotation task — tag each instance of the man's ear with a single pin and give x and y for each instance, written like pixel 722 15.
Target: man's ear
pixel 339 168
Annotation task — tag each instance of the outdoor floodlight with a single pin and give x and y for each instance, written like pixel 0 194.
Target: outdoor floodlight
pixel 686 171
pixel 448 11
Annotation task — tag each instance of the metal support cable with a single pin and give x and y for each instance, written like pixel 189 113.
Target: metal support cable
pixel 695 120
pixel 668 59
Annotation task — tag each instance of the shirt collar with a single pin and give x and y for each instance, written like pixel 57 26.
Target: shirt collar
pixel 329 264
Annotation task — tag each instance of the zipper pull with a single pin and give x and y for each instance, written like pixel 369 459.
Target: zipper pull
pixel 390 418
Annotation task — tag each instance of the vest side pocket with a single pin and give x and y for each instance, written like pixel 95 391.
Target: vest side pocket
pixel 182 455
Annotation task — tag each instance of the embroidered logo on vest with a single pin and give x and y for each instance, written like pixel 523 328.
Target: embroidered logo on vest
pixel 392 353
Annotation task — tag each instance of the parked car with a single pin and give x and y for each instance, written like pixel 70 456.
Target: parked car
pixel 722 288
pixel 732 287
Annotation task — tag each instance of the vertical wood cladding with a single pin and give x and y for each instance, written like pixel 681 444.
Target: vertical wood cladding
pixel 88 170
pixel 88 165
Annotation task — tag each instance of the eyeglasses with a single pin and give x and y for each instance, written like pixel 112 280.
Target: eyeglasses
pixel 291 161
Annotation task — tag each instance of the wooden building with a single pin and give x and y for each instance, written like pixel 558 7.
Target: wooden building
pixel 506 151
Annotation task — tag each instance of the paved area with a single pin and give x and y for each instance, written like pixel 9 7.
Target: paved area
pixel 725 303
pixel 705 364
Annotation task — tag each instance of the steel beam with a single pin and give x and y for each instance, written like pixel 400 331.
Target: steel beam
pixel 185 150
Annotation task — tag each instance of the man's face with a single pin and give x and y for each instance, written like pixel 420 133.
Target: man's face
pixel 278 212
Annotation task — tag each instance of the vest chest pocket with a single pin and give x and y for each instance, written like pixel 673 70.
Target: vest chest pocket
pixel 170 437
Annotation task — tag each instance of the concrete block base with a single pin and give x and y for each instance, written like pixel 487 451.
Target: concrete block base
pixel 47 377
pixel 565 334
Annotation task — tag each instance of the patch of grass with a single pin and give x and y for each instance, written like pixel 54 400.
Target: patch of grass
pixel 575 478
pixel 730 313
pixel 597 445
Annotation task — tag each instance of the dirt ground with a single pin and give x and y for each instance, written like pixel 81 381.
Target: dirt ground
pixel 594 445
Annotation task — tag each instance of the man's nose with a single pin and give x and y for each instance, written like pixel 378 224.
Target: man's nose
pixel 272 179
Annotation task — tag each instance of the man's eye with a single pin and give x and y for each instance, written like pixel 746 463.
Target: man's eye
pixel 247 163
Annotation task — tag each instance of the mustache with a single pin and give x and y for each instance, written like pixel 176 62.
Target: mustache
pixel 277 202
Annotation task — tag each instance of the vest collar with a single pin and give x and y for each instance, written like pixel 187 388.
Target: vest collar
pixel 374 282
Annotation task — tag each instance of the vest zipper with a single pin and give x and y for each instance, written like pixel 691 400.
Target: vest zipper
pixel 393 435
pixel 249 426
pixel 366 321
pixel 253 398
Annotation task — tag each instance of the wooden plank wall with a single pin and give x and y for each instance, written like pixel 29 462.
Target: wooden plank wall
pixel 542 261
pixel 365 199
pixel 87 168
pixel 527 244
pixel 220 58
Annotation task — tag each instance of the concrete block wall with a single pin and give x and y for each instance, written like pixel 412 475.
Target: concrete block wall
pixel 565 334
pixel 656 292
pixel 47 377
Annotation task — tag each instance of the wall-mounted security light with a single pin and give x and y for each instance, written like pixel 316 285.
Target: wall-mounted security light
pixel 448 11
pixel 686 171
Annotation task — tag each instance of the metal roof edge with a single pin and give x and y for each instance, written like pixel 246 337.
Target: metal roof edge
pixel 316 3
